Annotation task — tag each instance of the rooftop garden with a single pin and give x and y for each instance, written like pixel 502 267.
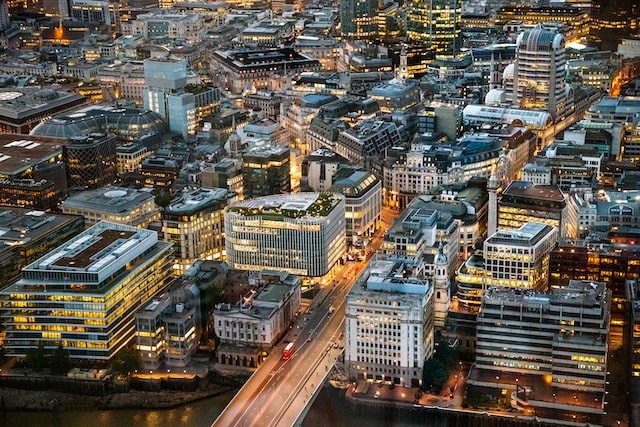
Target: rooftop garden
pixel 323 205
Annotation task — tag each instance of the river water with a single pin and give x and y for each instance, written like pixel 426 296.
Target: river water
pixel 329 409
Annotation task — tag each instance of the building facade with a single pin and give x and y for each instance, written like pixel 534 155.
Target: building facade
pixel 85 292
pixel 520 258
pixel 127 206
pixel 194 223
pixel 302 233
pixel 389 323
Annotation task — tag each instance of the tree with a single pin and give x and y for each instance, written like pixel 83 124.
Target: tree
pixel 60 363
pixel 127 361
pixel 163 199
pixel 36 358
pixel 435 374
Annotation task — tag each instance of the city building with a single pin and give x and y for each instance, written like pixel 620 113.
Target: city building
pixel 520 258
pixel 437 23
pixel 253 325
pixel 359 20
pixel 523 202
pixel 28 193
pixel 602 261
pixel 90 160
pixel 301 233
pixel 548 349
pixel 99 279
pixel 127 206
pixel 242 68
pixel 321 166
pixel 572 16
pixel 127 124
pixel 266 170
pixel 194 223
pixel 362 193
pixel 30 234
pixel 528 87
pixel 365 141
pixel 167 331
pixel 396 95
pixel 21 109
pixel 468 204
pixel 183 105
pixel 389 323
pixel 227 173
pixel 129 157
pixel 167 24
pixel 418 232
pixel 160 173
pixel 432 160
pixel 633 304
pixel 27 157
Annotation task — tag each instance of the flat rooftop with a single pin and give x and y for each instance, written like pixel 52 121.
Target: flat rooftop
pixel 20 152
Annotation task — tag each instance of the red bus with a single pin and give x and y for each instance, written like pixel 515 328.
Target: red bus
pixel 288 351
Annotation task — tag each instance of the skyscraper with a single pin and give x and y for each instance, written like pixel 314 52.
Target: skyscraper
pixel 436 23
pixel 359 19
pixel 539 72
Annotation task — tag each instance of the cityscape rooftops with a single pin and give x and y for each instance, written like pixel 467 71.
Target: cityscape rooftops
pixel 109 199
pixel 96 254
pixel 528 234
pixel 293 205
pixel 193 201
pixel 18 103
pixel 21 152
pixel 23 226
pixel 531 191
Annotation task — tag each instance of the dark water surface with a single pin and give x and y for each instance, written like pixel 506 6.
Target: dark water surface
pixel 329 409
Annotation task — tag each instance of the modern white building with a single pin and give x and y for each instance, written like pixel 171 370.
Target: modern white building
pixel 300 233
pixel 116 204
pixel 84 293
pixel 194 223
pixel 389 323
pixel 167 93
pixel 520 258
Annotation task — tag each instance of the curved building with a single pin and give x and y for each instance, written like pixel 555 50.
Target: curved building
pixel 126 123
pixel 301 233
pixel 539 72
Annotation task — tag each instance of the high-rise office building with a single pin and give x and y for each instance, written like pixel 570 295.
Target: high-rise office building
pixel 90 160
pixel 167 93
pixel 359 19
pixel 389 323
pixel 437 23
pixel 301 233
pixel 520 258
pixel 524 202
pixel 83 294
pixel 266 171
pixel 613 20
pixel 194 223
pixel 549 349
pixel 541 87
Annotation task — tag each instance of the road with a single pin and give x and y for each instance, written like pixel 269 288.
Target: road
pixel 279 390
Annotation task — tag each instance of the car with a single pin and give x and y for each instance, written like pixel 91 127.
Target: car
pixel 309 338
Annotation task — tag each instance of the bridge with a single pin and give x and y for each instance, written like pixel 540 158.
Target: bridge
pixel 280 392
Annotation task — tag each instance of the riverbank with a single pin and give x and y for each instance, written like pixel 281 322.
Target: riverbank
pixel 33 400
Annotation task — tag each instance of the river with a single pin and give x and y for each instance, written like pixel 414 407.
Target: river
pixel 329 409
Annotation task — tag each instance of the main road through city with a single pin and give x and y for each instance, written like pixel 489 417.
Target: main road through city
pixel 279 391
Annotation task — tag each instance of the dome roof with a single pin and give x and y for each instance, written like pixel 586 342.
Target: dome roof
pixel 508 72
pixel 494 97
pixel 540 39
